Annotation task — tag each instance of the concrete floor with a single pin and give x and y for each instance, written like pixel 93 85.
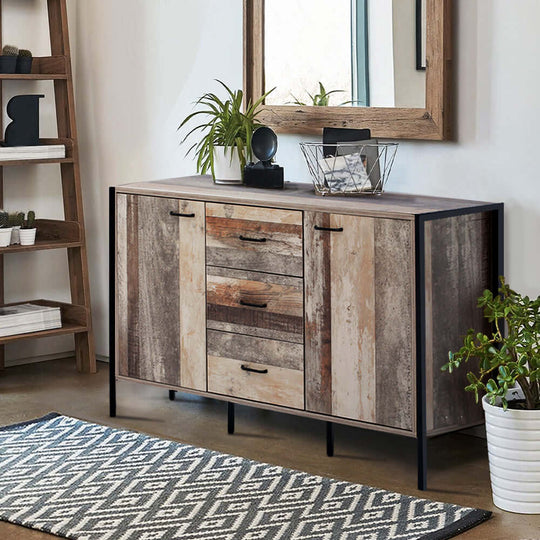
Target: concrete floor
pixel 458 468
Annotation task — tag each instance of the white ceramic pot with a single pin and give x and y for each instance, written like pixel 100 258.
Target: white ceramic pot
pixel 28 237
pixel 513 438
pixel 5 236
pixel 226 171
pixel 15 238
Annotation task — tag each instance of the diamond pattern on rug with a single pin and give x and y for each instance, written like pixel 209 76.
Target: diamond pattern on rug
pixel 91 482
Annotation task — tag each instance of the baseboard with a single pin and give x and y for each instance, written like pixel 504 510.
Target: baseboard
pixel 47 357
pixel 42 358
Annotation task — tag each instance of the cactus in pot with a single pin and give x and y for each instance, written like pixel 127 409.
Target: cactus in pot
pixel 24 61
pixel 28 230
pixel 5 229
pixel 8 59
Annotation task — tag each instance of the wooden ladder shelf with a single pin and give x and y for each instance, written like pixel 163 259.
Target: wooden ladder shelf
pixel 52 234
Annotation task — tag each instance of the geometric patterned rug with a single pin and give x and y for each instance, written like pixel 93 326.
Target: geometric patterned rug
pixel 91 482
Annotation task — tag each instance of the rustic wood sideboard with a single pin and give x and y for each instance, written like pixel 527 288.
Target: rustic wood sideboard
pixel 336 308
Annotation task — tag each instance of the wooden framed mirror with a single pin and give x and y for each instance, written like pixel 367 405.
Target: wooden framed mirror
pixel 270 28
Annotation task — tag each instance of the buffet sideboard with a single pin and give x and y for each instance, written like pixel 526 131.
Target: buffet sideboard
pixel 336 308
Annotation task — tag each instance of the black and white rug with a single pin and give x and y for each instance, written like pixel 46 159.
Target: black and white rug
pixel 87 481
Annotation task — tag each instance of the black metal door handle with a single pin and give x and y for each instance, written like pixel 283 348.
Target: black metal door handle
pixel 180 214
pixel 246 368
pixel 249 304
pixel 247 239
pixel 331 229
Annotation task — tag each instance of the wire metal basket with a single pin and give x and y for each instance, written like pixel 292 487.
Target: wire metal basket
pixel 349 168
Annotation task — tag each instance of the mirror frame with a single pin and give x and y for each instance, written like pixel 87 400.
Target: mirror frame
pixel 434 122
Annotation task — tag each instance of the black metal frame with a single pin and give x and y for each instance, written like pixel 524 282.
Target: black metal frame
pixel 112 302
pixel 497 211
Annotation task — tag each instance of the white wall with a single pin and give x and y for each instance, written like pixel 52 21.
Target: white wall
pixel 141 63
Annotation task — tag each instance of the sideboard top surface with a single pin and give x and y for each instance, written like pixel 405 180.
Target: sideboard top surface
pixel 299 196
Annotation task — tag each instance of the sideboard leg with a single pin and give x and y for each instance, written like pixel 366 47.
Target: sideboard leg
pixel 112 388
pixel 422 462
pixel 172 395
pixel 329 439
pixel 230 418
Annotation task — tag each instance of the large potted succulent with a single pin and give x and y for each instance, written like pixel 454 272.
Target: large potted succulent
pixel 507 373
pixel 225 147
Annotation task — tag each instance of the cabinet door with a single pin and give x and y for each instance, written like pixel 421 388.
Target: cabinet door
pixel 359 318
pixel 160 309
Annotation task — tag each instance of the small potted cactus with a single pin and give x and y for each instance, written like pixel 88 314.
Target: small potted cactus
pixel 24 61
pixel 16 221
pixel 8 59
pixel 28 230
pixel 5 229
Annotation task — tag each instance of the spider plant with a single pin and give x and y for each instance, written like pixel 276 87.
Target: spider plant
pixel 322 99
pixel 224 125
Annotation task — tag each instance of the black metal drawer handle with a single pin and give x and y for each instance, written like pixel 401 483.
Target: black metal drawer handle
pixel 247 239
pixel 249 304
pixel 331 229
pixel 180 215
pixel 262 371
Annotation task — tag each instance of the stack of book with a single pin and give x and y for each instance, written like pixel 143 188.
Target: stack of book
pixel 43 151
pixel 26 318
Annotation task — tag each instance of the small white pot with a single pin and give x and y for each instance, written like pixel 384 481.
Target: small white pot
pixel 5 236
pixel 15 237
pixel 513 438
pixel 226 171
pixel 28 237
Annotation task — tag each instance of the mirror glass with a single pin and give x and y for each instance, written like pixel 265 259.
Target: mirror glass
pixel 364 53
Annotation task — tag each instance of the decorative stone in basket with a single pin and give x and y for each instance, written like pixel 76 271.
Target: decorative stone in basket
pixel 361 167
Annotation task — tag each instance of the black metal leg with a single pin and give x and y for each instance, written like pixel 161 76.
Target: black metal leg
pixel 230 418
pixel 112 277
pixel 422 462
pixel 172 395
pixel 329 439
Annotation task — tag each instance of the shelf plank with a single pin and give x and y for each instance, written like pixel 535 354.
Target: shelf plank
pixel 44 68
pixel 68 143
pixel 67 328
pixel 32 76
pixel 74 321
pixel 39 246
pixel 51 234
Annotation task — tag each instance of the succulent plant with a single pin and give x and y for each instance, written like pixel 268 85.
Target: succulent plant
pixel 16 219
pixel 30 220
pixel 26 53
pixel 4 219
pixel 10 50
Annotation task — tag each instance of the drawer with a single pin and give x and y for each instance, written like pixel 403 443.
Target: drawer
pixel 264 305
pixel 258 369
pixel 249 238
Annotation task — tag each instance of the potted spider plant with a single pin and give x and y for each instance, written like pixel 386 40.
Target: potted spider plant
pixel 225 146
pixel 507 373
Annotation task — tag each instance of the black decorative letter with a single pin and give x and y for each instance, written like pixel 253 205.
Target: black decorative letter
pixel 24 129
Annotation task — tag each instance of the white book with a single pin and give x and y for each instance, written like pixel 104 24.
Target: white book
pixel 13 316
pixel 26 329
pixel 43 151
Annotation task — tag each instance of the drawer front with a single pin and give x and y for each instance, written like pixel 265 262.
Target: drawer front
pixel 259 239
pixel 254 368
pixel 264 305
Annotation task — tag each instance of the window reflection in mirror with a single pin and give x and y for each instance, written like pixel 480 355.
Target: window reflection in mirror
pixel 362 52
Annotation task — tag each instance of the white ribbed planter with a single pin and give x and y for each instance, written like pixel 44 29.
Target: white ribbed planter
pixel 513 438
pixel 28 236
pixel 5 236
pixel 226 171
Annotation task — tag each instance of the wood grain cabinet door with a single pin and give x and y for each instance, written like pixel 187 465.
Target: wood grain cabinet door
pixel 359 279
pixel 161 327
